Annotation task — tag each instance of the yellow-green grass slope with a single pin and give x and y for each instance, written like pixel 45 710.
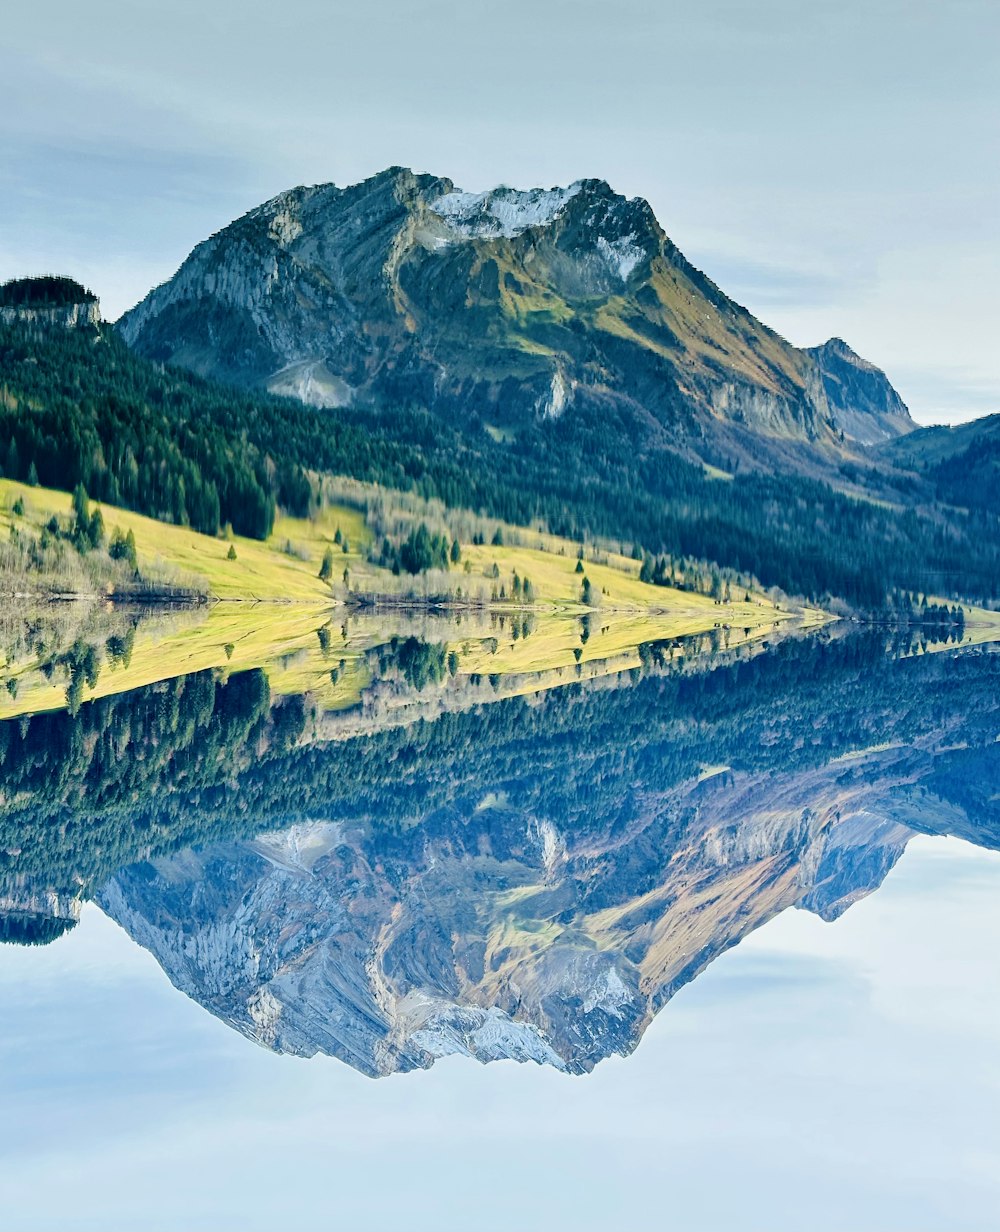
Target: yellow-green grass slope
pixel 285 568
pixel 282 633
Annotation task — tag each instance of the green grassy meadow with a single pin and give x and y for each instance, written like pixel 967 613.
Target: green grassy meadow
pixel 285 568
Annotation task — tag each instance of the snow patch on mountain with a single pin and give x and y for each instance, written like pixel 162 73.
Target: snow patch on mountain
pixel 554 403
pixel 622 254
pixel 506 212
pixel 485 1035
pixel 608 993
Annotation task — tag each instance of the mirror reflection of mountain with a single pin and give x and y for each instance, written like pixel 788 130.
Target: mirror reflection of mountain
pixel 533 878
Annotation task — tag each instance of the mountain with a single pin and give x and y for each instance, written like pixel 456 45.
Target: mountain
pixel 497 936
pixel 499 309
pixel 545 358
pixel 494 930
pixel 865 406
pixel 961 464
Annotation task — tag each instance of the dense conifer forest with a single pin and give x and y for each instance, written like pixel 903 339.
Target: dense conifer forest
pixel 210 760
pixel 48 291
pixel 77 407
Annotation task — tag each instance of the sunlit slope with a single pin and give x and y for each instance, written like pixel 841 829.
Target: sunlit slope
pixel 557 576
pixel 286 567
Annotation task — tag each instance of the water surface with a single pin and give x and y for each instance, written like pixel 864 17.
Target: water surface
pixel 732 911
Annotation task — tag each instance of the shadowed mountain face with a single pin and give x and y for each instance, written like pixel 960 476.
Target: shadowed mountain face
pixel 535 880
pixel 500 308
pixel 961 464
pixel 865 406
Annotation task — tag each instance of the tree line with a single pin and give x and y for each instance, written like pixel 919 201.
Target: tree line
pixel 78 407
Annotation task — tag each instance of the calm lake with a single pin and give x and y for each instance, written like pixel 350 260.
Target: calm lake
pixel 721 915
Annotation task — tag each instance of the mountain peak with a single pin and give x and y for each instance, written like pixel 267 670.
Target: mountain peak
pixel 503 211
pixel 507 305
pixel 864 404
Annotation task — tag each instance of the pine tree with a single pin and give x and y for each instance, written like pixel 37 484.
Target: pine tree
pixel 95 529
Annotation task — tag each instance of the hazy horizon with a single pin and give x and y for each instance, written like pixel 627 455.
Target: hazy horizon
pixel 825 166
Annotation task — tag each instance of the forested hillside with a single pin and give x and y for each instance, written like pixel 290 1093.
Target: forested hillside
pixel 961 463
pixel 76 406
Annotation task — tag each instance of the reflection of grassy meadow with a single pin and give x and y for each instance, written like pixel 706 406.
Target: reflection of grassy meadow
pixel 512 615
pixel 226 638
pixel 326 652
pixel 563 641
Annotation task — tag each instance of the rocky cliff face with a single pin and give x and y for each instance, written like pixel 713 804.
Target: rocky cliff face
pixel 35 914
pixel 53 316
pixel 865 406
pixel 492 307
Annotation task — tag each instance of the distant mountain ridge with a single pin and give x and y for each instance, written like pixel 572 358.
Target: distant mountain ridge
pixel 500 308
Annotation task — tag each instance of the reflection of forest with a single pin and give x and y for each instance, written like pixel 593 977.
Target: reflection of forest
pixel 201 758
pixel 389 665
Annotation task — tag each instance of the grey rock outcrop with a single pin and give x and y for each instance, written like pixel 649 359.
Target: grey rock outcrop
pixel 61 316
pixel 864 405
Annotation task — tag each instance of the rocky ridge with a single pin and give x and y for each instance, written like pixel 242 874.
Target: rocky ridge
pixel 65 316
pixel 864 404
pixel 497 308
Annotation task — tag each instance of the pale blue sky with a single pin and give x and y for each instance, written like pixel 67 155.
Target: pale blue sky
pixel 820 1076
pixel 831 164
